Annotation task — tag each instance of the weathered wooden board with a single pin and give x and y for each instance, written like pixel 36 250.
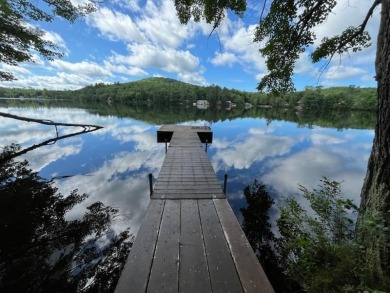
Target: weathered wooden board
pixel 194 274
pixel 164 276
pixel 253 279
pixel 135 274
pixel 223 274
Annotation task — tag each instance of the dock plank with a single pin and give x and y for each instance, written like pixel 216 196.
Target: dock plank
pixel 223 274
pixel 253 280
pixel 164 276
pixel 139 262
pixel 194 274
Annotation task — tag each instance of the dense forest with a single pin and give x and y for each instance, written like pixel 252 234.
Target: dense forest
pixel 164 91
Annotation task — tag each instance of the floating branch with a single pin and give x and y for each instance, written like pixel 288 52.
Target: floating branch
pixel 87 127
pixel 46 142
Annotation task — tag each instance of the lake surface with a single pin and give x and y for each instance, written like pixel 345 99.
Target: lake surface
pixel 112 164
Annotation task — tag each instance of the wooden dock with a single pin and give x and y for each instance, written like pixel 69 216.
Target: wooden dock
pixel 190 240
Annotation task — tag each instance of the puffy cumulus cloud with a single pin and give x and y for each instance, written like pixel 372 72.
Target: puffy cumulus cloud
pixel 153 35
pixel 123 69
pixel 61 80
pixel 194 78
pixel 225 58
pixel 237 41
pixel 115 25
pixel 161 25
pixel 150 30
pixel 180 62
pixel 17 71
pixel 84 68
pixel 343 72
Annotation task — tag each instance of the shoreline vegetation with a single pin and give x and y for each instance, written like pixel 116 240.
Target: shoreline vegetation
pixel 166 91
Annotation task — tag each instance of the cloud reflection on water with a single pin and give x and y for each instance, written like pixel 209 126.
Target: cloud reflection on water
pixel 283 158
pixel 112 164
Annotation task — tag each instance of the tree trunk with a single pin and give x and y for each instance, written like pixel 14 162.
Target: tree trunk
pixel 375 195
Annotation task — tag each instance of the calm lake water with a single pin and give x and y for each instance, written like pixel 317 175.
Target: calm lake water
pixel 112 164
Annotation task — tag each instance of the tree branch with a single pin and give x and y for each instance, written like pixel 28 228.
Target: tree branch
pixel 49 122
pixel 46 142
pixel 362 26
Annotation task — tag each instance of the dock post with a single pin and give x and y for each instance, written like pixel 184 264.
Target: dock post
pixel 151 183
pixel 206 145
pixel 166 146
pixel 224 183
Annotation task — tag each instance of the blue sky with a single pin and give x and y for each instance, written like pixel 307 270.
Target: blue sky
pixel 128 40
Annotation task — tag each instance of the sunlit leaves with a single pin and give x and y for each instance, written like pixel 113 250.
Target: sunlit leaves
pixel 286 31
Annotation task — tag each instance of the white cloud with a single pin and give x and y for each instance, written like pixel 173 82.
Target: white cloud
pixel 343 72
pixel 258 146
pixel 225 58
pixel 56 39
pixel 183 63
pixel 61 80
pixel 123 69
pixel 348 13
pixel 161 25
pixel 85 68
pixel 16 70
pixel 115 25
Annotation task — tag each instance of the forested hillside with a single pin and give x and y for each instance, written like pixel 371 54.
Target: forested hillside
pixel 159 91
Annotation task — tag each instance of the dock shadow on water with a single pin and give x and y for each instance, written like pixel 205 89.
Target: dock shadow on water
pixel 43 251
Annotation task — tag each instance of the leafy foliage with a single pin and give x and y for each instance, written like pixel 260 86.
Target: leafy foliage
pixel 287 30
pixel 318 247
pixel 40 250
pixel 18 38
pixel 212 11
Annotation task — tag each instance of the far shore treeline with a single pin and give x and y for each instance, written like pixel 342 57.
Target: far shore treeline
pixel 165 91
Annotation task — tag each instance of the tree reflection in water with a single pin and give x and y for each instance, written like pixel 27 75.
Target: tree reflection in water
pixel 42 251
pixel 257 228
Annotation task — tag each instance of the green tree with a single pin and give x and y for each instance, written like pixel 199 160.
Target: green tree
pixel 319 248
pixel 18 38
pixel 298 19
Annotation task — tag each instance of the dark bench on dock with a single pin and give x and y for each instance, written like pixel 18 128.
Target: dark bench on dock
pixel 190 240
